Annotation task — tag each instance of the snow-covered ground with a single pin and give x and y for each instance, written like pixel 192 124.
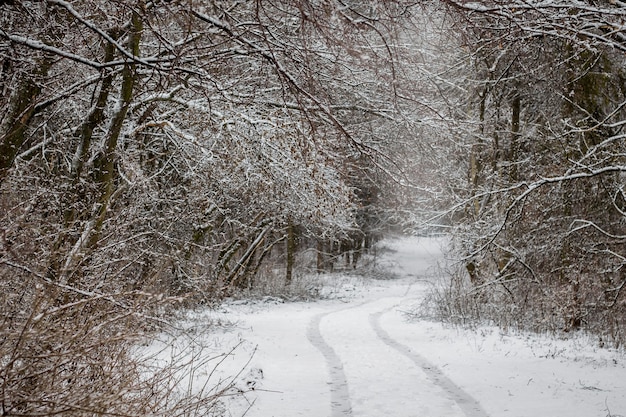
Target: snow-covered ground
pixel 357 354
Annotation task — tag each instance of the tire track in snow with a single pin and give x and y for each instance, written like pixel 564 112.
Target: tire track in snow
pixel 466 402
pixel 339 395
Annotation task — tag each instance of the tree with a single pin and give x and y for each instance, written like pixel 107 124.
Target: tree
pixel 541 214
pixel 158 151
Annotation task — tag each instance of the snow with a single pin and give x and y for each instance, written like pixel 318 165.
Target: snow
pixel 357 353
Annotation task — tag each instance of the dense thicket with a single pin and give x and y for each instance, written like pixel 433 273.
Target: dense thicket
pixel 159 149
pixel 540 221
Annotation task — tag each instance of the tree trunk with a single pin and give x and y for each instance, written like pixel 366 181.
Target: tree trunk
pixel 321 265
pixel 291 252
pixel 515 137
pixel 96 116
pixel 21 109
pixel 106 163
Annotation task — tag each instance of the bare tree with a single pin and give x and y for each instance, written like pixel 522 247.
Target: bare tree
pixel 540 217
pixel 160 151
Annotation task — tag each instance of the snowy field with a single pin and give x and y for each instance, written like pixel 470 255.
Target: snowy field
pixel 356 353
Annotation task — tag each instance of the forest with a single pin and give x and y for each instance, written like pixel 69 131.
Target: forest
pixel 158 155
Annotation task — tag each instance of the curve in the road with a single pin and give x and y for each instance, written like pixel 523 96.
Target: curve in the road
pixel 466 402
pixel 339 395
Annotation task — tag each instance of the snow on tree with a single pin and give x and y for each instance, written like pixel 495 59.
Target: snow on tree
pixel 540 219
pixel 155 149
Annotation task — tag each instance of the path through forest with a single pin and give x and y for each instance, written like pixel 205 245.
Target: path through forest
pixel 337 358
pixel 400 381
pixel 356 354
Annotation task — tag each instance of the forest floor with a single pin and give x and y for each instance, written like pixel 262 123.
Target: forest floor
pixel 356 352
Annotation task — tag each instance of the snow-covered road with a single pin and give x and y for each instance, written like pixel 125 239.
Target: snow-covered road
pixel 339 359
pixel 360 352
pixel 336 358
pixel 359 356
